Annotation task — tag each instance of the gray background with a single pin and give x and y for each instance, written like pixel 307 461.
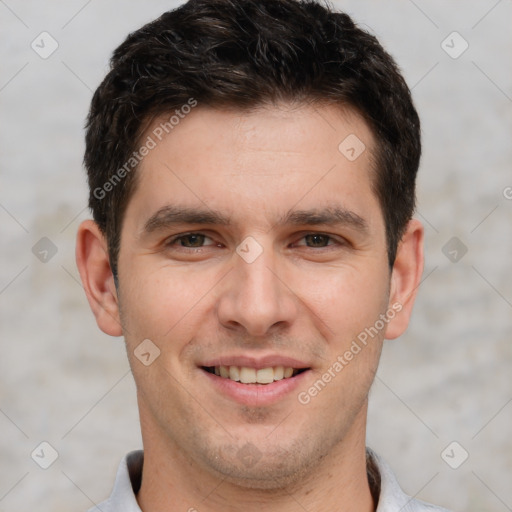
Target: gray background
pixel 448 379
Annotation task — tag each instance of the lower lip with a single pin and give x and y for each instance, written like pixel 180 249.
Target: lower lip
pixel 256 394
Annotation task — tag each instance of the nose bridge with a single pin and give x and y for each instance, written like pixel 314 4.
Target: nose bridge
pixel 258 280
pixel 255 297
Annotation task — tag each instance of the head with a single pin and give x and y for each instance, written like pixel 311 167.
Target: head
pixel 284 137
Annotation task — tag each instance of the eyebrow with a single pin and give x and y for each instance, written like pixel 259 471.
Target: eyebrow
pixel 334 215
pixel 170 215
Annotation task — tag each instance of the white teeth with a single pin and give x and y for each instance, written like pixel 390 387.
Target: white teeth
pixel 278 373
pixel 234 373
pixel 248 375
pixel 265 376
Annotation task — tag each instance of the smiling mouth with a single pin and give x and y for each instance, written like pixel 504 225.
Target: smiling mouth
pixel 247 375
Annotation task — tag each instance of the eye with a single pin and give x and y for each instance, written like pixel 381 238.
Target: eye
pixel 316 240
pixel 190 240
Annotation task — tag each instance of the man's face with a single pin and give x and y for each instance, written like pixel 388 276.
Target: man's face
pixel 280 262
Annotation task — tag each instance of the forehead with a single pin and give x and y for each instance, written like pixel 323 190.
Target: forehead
pixel 300 127
pixel 267 160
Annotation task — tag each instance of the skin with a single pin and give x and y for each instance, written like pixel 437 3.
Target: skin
pixel 306 297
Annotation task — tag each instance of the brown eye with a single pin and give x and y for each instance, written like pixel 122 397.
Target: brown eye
pixel 317 240
pixel 192 240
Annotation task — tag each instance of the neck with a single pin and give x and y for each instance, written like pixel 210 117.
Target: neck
pixel 172 481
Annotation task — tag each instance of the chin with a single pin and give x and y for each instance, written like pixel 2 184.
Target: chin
pixel 263 476
pixel 274 469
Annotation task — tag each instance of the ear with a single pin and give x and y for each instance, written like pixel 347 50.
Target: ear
pixel 97 278
pixel 405 278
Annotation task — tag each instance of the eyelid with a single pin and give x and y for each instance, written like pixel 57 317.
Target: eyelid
pixel 332 238
pixel 174 238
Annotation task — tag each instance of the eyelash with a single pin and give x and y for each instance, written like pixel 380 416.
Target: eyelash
pixel 182 236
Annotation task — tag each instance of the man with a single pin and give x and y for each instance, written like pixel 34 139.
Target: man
pixel 252 180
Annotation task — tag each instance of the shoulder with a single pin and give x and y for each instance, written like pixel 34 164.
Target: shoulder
pixel 391 496
pixel 126 486
pixel 421 506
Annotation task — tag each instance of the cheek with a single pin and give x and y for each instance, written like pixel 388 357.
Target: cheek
pixel 163 305
pixel 345 299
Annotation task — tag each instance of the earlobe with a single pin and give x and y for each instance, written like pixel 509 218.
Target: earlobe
pixel 94 266
pixel 405 278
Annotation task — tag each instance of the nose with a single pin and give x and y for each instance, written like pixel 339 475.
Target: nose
pixel 256 297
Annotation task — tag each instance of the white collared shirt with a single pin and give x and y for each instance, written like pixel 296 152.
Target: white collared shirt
pixel 129 474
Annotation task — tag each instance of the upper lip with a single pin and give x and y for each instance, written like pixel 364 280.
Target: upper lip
pixel 258 363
